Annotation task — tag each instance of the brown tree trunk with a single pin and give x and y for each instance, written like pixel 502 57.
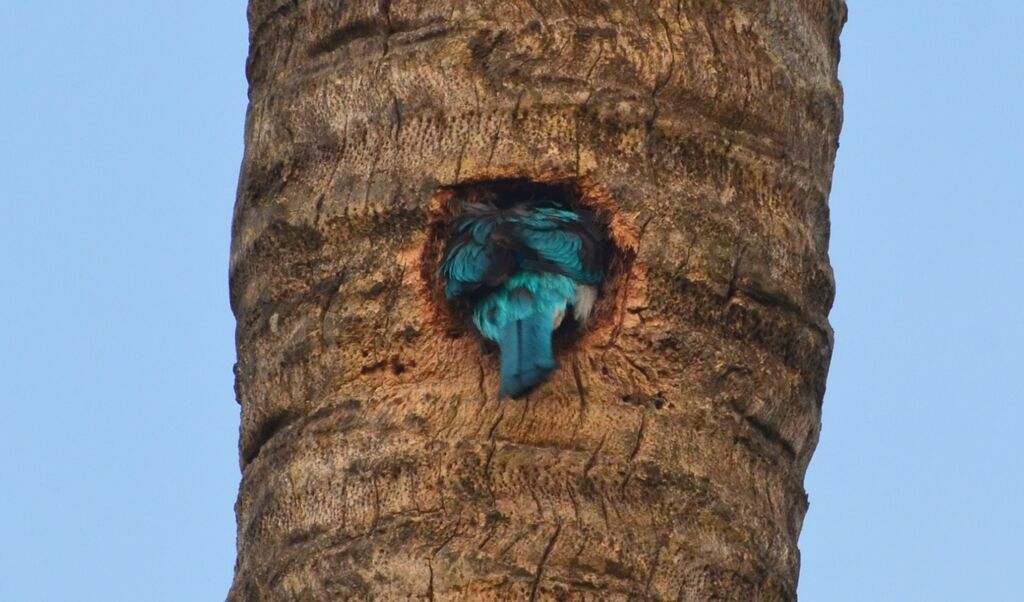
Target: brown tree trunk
pixel 665 459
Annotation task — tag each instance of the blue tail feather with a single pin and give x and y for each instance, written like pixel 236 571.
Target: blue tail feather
pixel 526 357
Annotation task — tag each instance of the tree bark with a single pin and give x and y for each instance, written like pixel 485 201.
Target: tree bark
pixel 665 459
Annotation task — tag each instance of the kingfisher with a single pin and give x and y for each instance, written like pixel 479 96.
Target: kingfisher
pixel 521 267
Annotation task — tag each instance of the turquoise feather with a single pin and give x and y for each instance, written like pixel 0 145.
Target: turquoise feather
pixel 522 268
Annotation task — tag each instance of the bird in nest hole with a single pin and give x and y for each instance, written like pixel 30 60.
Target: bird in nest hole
pixel 522 268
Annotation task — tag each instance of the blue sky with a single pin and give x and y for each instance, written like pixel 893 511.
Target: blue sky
pixel 120 148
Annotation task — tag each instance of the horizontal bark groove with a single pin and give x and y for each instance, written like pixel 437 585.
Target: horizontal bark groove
pixel 646 485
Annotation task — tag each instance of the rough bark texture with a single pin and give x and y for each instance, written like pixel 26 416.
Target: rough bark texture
pixel 665 460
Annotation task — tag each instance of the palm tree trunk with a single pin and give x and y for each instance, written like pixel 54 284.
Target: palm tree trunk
pixel 665 460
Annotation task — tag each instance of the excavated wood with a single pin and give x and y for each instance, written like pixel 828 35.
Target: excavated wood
pixel 665 459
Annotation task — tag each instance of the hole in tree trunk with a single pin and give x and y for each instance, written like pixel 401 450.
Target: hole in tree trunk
pixel 619 248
